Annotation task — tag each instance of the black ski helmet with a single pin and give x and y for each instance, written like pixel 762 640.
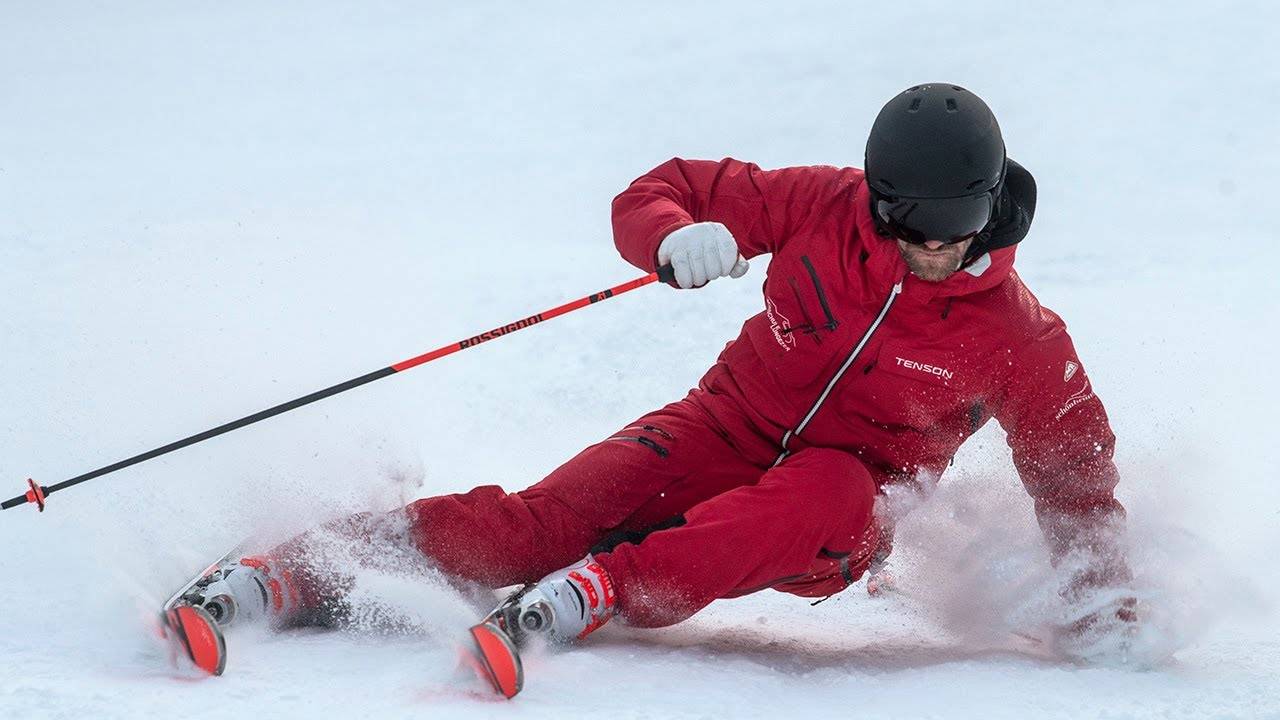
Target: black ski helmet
pixel 935 164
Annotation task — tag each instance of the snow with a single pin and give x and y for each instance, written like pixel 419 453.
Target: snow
pixel 208 209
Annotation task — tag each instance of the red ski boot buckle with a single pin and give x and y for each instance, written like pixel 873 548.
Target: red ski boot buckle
pixel 35 494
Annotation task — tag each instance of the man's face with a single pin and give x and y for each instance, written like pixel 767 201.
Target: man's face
pixel 933 261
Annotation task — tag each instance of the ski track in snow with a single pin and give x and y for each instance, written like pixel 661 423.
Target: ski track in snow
pixel 208 210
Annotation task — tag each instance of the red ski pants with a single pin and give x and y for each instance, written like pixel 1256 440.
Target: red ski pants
pixel 727 527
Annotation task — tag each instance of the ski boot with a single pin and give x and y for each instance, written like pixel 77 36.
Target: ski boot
pixel 245 589
pixel 232 590
pixel 565 606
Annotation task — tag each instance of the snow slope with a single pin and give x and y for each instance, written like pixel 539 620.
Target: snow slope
pixel 207 209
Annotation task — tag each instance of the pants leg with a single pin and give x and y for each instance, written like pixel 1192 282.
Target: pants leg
pixel 806 527
pixel 659 466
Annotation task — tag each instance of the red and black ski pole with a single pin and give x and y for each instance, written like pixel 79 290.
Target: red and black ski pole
pixel 37 493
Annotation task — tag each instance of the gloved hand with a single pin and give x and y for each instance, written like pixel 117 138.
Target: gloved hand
pixel 1107 632
pixel 1102 614
pixel 881 580
pixel 701 252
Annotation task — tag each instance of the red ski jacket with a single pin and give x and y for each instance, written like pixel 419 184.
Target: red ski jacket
pixel 853 352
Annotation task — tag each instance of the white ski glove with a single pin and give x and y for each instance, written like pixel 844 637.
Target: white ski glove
pixel 701 252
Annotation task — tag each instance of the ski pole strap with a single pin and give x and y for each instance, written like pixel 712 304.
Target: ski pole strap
pixel 36 493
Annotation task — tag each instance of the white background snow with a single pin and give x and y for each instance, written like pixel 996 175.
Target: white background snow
pixel 208 208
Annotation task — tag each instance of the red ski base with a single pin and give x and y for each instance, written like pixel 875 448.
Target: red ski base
pixel 495 658
pixel 197 635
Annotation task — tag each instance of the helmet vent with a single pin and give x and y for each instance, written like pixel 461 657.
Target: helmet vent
pixel 957 88
pixel 951 105
pixel 976 183
pixel 914 106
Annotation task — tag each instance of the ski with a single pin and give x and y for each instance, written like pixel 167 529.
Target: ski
pixel 494 657
pixel 494 646
pixel 192 633
pixel 190 624
pixel 176 598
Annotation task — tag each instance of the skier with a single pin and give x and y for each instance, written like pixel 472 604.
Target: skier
pixel 893 328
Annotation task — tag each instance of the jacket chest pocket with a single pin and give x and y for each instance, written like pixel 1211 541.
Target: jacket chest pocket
pixel 798 305
pixel 906 385
pixel 813 321
pixel 808 323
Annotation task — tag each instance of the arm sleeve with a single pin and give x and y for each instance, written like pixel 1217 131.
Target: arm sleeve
pixel 760 207
pixel 1062 447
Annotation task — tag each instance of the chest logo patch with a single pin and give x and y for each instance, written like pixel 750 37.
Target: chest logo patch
pixel 1070 372
pixel 937 370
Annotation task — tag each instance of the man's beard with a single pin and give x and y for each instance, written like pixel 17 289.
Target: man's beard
pixel 934 265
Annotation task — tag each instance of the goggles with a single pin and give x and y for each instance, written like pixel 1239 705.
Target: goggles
pixel 946 220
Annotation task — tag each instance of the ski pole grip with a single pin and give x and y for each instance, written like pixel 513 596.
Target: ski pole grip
pixel 667 274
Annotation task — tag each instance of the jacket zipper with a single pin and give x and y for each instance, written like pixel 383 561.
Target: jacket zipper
pixel 848 361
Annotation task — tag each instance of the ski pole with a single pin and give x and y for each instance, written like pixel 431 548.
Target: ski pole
pixel 36 493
